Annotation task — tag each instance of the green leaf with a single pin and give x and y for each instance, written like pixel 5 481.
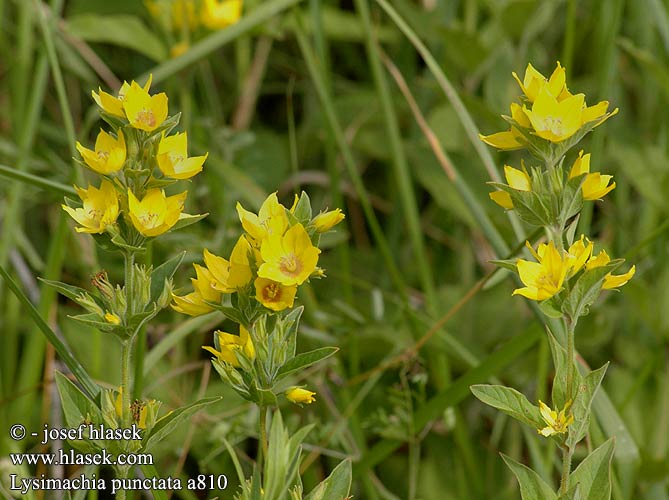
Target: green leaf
pixel 305 360
pixel 121 30
pixel 337 485
pixel 574 493
pixel 70 291
pixel 77 409
pixel 581 407
pixel 509 401
pixel 559 393
pixel 551 307
pixel 186 220
pixel 587 289
pixel 593 475
pixel 303 212
pixel 572 198
pixel 166 424
pixel 163 273
pixel 532 487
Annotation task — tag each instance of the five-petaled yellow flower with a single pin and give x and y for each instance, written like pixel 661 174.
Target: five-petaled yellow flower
pixel 558 423
pixel 273 295
pixel 611 281
pixel 518 180
pixel 109 154
pixel 173 158
pixel 289 258
pixel 325 221
pixel 271 220
pixel 595 185
pixel 218 14
pixel 114 105
pixel 231 345
pixel 300 396
pixel 555 120
pixel 144 111
pixel 156 213
pixel 99 210
pixel 544 278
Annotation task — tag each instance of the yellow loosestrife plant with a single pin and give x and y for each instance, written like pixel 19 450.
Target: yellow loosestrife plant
pixel 565 277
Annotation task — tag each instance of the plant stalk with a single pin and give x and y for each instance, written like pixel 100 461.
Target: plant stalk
pixel 567 450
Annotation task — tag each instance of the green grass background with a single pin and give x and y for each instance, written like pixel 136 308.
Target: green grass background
pixel 327 117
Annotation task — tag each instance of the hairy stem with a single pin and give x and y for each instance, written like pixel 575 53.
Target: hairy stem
pixel 567 451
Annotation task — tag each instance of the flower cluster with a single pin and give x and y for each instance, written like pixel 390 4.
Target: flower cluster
pixel 186 17
pixel 136 161
pixel 548 114
pixel 555 270
pixel 277 252
pixel 256 288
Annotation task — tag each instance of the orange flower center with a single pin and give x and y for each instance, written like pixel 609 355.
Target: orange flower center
pixel 290 265
pixel 554 125
pixel 103 155
pixel 146 117
pixel 271 292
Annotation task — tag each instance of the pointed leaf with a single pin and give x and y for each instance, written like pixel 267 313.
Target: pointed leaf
pixel 337 485
pixel 163 273
pixel 509 401
pixel 581 407
pixel 304 360
pixel 532 487
pixel 593 475
pixel 166 424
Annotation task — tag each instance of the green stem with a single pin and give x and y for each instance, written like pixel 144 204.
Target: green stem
pixel 126 382
pixel 263 448
pixel 568 451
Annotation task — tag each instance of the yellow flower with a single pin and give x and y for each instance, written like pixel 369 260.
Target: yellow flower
pixel 299 396
pixel 114 105
pixel 195 303
pixel 290 258
pixel 327 220
pixel 611 281
pixel 231 344
pixel 578 254
pixel 543 278
pixel 274 295
pixel 271 219
pixel 555 120
pixel 156 213
pixel 534 81
pixel 144 111
pixel 516 179
pixel 100 208
pixel 109 154
pixel 557 422
pixel 173 157
pixel 234 274
pixel 512 138
pixel 112 318
pixel 218 14
pixel 595 185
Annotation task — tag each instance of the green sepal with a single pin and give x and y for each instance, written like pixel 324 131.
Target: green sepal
pixel 551 307
pixel 582 402
pixel 509 401
pixel 166 126
pixel 593 475
pixel 165 425
pixel 532 486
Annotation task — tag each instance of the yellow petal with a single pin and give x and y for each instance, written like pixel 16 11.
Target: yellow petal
pixel 614 281
pixel 502 198
pixel 517 179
